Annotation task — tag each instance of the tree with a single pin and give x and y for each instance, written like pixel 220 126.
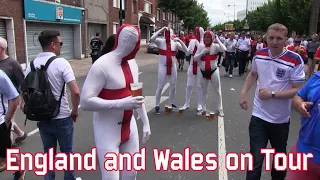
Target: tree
pixel 189 11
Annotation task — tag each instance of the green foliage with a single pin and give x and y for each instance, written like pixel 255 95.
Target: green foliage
pixel 190 11
pixel 294 14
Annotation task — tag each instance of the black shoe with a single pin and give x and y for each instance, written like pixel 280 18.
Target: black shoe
pixel 157 110
pixel 174 107
pixel 19 175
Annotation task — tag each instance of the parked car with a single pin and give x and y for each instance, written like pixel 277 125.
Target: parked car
pixel 153 48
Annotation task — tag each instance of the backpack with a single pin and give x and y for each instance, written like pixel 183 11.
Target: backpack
pixel 40 104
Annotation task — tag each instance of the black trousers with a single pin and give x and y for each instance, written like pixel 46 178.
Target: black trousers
pixel 230 60
pixel 94 58
pixel 5 136
pixel 242 59
pixel 260 133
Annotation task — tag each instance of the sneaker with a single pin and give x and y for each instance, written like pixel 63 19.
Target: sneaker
pixel 174 107
pixel 19 175
pixel 19 140
pixel 78 178
pixel 220 113
pixel 157 110
pixel 199 108
pixel 184 107
pixel 201 112
pixel 230 75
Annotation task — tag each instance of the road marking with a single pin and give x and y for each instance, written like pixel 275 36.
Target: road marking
pixel 149 101
pixel 223 174
pixel 33 132
pixel 36 130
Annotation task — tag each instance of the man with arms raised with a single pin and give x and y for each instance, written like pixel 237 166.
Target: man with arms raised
pixel 280 75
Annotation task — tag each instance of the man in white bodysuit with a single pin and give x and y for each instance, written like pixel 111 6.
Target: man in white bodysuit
pixel 193 70
pixel 167 70
pixel 106 91
pixel 207 56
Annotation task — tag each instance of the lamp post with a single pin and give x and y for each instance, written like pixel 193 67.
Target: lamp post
pixel 234 11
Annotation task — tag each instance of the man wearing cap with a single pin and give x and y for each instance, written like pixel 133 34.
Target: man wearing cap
pixel 244 51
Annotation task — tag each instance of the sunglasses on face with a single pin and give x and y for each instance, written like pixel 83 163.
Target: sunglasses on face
pixel 61 43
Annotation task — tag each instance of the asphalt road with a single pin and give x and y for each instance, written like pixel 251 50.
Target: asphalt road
pixel 220 136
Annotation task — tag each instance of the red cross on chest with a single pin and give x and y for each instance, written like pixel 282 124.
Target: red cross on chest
pixel 114 94
pixel 168 53
pixel 195 63
pixel 207 59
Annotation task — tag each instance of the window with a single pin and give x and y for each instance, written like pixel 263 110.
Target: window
pixel 147 7
pixel 134 6
pixel 164 14
pixel 116 4
pixel 115 27
pixel 158 14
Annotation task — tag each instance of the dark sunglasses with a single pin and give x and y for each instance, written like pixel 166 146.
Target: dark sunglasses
pixel 61 43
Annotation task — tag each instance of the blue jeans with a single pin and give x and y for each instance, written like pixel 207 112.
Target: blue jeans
pixel 260 133
pixel 53 131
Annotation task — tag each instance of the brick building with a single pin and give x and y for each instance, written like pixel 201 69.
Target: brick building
pixel 143 13
pixel 22 21
pixel 11 28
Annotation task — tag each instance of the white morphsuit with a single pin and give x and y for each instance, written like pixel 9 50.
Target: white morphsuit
pixel 106 91
pixel 207 56
pixel 167 70
pixel 193 71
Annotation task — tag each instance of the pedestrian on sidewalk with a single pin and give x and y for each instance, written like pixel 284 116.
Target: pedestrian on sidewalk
pixel 9 96
pixel 60 74
pixel 14 71
pixel 306 103
pixel 281 75
pixel 95 46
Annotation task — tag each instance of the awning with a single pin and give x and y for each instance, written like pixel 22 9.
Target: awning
pixel 145 20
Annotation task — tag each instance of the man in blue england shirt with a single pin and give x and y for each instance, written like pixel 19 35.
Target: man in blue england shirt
pixel 9 103
pixel 307 103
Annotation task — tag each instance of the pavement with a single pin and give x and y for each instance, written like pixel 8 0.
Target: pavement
pixel 220 136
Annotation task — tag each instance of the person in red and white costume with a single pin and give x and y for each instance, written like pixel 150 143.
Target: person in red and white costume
pixel 107 92
pixel 301 50
pixel 167 48
pixel 193 70
pixel 207 56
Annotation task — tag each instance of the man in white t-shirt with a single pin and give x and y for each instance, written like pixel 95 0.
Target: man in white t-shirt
pixel 281 75
pixel 59 73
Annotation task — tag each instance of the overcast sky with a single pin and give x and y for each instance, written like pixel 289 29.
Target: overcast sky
pixel 218 9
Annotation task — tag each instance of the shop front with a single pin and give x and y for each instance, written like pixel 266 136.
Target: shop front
pixel 41 15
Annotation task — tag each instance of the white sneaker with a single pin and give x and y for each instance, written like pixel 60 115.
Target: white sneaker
pixel 184 107
pixel 200 113
pixel 199 108
pixel 78 178
pixel 230 75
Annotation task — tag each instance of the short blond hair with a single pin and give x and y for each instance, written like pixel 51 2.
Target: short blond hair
pixel 3 43
pixel 278 27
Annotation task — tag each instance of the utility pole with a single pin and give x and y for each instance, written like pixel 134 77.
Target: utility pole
pixel 314 16
pixel 121 13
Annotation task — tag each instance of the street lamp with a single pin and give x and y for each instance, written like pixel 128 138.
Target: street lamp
pixel 234 11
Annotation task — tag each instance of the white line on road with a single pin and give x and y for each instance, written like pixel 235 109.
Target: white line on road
pixel 36 130
pixel 223 174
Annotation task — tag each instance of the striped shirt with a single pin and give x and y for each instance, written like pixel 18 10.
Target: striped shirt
pixel 276 74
